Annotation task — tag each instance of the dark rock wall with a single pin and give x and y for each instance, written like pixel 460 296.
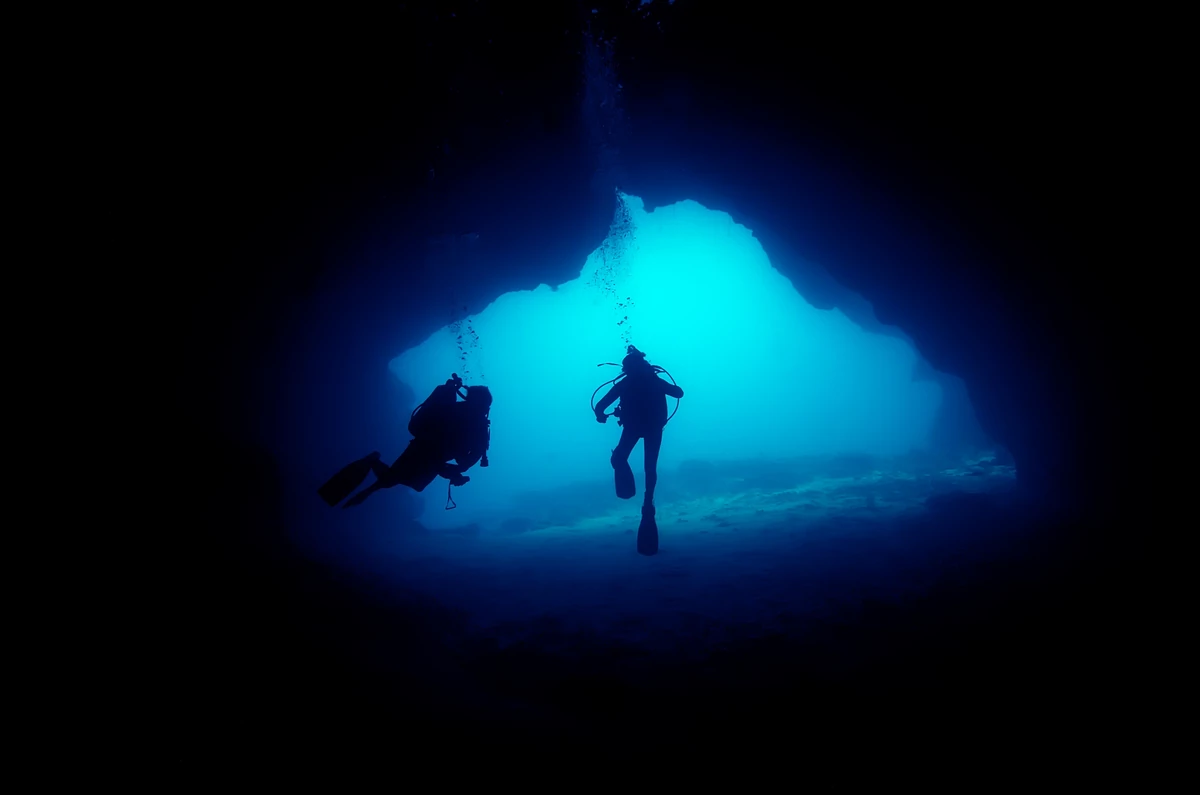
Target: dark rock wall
pixel 953 183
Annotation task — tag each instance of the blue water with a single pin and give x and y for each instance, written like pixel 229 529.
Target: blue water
pixel 801 479
pixel 765 374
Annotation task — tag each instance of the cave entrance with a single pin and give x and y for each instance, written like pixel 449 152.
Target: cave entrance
pixel 788 411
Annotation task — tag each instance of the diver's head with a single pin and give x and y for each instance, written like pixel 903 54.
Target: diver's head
pixel 635 362
pixel 479 398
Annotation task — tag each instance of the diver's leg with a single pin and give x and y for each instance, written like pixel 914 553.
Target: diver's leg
pixel 622 473
pixel 651 444
pixel 378 467
pixel 416 467
pixel 351 476
pixel 358 499
pixel 624 446
pixel 384 479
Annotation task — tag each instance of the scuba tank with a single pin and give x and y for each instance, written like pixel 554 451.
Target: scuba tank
pixel 424 415
pixel 444 395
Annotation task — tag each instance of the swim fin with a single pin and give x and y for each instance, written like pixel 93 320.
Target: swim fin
pixel 647 536
pixel 340 486
pixel 623 474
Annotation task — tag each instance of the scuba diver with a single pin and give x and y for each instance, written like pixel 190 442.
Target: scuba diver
pixel 642 414
pixel 444 429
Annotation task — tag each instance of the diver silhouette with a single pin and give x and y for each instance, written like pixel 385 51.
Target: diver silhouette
pixel 642 414
pixel 444 429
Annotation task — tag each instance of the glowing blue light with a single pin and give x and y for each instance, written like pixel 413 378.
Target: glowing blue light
pixel 765 374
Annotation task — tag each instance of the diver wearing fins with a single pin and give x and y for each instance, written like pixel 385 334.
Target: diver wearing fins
pixel 444 429
pixel 642 414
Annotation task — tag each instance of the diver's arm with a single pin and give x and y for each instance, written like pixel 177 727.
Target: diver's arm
pixel 476 452
pixel 610 398
pixel 671 390
pixel 468 461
